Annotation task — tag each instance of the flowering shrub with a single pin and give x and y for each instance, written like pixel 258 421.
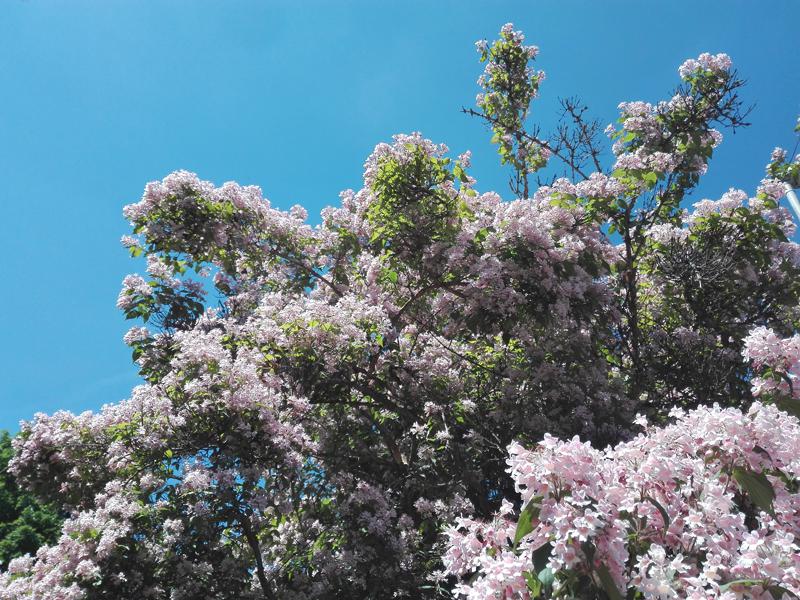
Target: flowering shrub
pixel 707 507
pixel 319 403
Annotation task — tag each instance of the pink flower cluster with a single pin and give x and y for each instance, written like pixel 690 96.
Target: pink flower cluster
pixel 718 64
pixel 777 362
pixel 670 514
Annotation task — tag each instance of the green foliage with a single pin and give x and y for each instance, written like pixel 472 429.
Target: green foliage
pixel 414 203
pixel 25 524
pixel 526 518
pixel 757 487
pixel 776 591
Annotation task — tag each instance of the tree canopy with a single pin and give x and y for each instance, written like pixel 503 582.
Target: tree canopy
pixel 328 411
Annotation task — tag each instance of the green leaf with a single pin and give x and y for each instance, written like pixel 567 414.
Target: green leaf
pixel 547 577
pixel 661 510
pixel 608 583
pixel 377 234
pixel 757 486
pixel 525 523
pixel 481 235
pixel 650 178
pixel 168 453
pixel 778 592
pixel 534 585
pixel 745 582
pixel 540 557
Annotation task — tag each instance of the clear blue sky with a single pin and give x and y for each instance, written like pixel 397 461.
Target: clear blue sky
pixel 99 97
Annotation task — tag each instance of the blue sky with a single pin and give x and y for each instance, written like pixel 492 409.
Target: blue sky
pixel 99 97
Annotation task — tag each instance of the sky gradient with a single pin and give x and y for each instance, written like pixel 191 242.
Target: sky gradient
pixel 100 97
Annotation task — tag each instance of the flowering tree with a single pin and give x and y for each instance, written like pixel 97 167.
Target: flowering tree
pixel 321 402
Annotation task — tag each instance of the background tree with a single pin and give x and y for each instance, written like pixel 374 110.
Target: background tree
pixel 25 524
pixel 321 402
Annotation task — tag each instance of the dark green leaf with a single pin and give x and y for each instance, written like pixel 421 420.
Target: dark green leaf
pixel 541 555
pixel 778 592
pixel 757 486
pixel 608 583
pixel 661 510
pixel 789 405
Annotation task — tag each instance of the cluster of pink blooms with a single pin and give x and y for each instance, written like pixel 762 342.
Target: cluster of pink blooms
pixel 777 362
pixel 644 142
pixel 663 513
pixel 230 216
pixel 132 285
pixel 715 63
pixel 726 207
pixel 661 162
